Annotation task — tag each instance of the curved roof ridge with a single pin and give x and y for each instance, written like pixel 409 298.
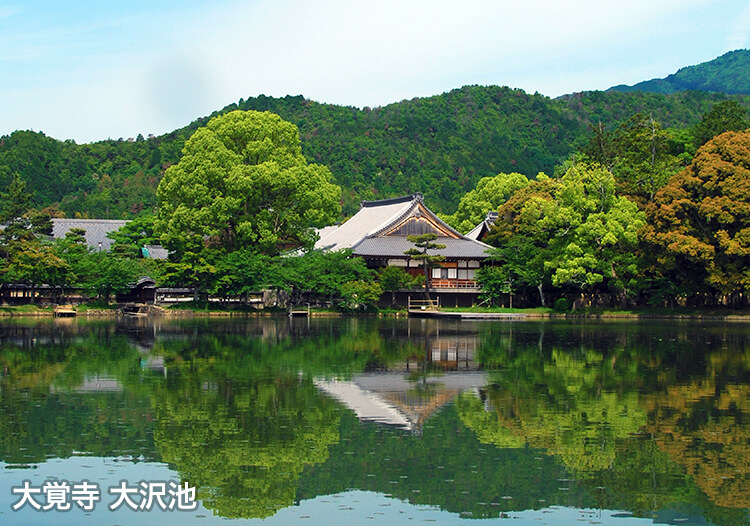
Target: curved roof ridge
pixel 392 200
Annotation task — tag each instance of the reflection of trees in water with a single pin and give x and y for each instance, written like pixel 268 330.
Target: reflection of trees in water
pixel 704 425
pixel 634 415
pixel 626 407
pixel 52 406
pixel 563 410
pixel 244 443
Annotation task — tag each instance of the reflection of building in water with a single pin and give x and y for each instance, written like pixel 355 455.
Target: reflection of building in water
pixel 96 383
pixel 398 399
pixel 453 353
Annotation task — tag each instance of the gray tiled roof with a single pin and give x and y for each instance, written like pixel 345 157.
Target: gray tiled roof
pixel 395 246
pixel 363 232
pixel 478 231
pixel 96 230
pixel 371 218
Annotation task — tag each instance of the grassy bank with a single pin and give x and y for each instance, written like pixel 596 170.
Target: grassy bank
pixel 218 309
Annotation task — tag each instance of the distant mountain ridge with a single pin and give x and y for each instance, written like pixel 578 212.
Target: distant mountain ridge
pixel 729 73
pixel 440 145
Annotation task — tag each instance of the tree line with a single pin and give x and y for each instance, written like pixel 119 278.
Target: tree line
pixel 627 222
pixel 445 143
pixel 638 214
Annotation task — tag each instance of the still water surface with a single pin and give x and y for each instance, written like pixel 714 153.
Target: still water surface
pixel 366 421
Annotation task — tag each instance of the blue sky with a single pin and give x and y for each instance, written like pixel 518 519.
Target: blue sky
pixel 90 70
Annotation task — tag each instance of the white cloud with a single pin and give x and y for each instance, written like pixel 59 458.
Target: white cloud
pixel 739 36
pixel 153 71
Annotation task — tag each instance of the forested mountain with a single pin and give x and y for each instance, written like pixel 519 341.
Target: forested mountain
pixel 440 145
pixel 729 73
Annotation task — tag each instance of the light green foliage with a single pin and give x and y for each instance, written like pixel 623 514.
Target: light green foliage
pixel 593 231
pixel 573 402
pixel 245 443
pixel 488 195
pixel 359 295
pixel 36 263
pixel 242 182
pixel 495 282
pixel 574 230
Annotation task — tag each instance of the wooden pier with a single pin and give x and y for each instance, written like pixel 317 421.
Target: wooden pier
pixel 65 311
pixel 299 312
pixel 418 313
pixel 431 309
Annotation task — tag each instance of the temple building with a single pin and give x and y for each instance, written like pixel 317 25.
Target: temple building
pixel 378 233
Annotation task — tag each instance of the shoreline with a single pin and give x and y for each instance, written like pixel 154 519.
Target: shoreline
pixel 520 315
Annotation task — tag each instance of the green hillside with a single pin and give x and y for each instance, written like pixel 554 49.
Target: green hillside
pixel 440 145
pixel 729 73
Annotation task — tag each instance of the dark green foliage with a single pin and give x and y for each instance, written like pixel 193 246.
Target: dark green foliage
pixel 724 116
pixel 496 283
pixel 729 73
pixel 676 110
pixel 639 154
pixel 131 237
pixel 423 243
pixel 324 273
pixel 444 143
pixel 392 279
pixel 19 223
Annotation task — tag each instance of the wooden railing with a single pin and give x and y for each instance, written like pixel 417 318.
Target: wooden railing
pixel 453 284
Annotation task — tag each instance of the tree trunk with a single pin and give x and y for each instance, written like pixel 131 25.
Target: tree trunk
pixel 541 293
pixel 427 282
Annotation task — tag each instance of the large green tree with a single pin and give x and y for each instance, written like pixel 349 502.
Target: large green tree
pixel 700 221
pixel 488 195
pixel 593 229
pixel 575 230
pixel 522 244
pixel 637 152
pixel 242 181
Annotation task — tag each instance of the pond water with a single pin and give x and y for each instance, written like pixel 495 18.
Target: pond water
pixel 372 421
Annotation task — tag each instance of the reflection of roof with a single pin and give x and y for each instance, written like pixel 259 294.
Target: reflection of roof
pixel 380 228
pixel 391 398
pixel 366 405
pixel 96 230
